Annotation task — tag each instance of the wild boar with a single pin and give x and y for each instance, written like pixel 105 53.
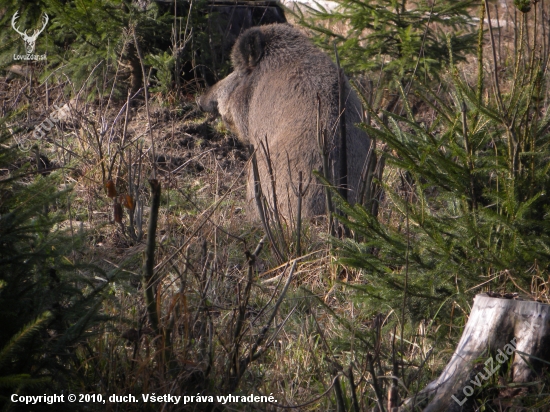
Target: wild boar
pixel 273 95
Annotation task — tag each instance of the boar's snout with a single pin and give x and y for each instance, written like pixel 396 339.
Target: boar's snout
pixel 217 99
pixel 207 104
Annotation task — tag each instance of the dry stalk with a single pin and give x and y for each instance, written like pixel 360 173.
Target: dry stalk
pixel 146 90
pixel 258 196
pixel 236 367
pixel 300 192
pixel 276 214
pixel 324 150
pixel 343 172
pixel 149 278
pixel 377 390
pixel 353 389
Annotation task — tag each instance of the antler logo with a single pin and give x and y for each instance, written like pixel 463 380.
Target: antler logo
pixel 30 41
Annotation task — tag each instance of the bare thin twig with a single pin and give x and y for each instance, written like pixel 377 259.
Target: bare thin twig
pixel 146 89
pixel 377 390
pixel 261 210
pixel 324 151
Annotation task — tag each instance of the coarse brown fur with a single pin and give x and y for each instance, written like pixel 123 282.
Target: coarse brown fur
pixel 272 93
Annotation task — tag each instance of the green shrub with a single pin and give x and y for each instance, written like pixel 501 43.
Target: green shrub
pixel 49 301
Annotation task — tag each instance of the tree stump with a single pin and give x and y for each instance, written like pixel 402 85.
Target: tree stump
pixel 498 329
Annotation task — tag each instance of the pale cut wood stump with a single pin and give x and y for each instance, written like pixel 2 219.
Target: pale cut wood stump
pixel 493 327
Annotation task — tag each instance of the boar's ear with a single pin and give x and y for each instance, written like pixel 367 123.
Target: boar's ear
pixel 250 49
